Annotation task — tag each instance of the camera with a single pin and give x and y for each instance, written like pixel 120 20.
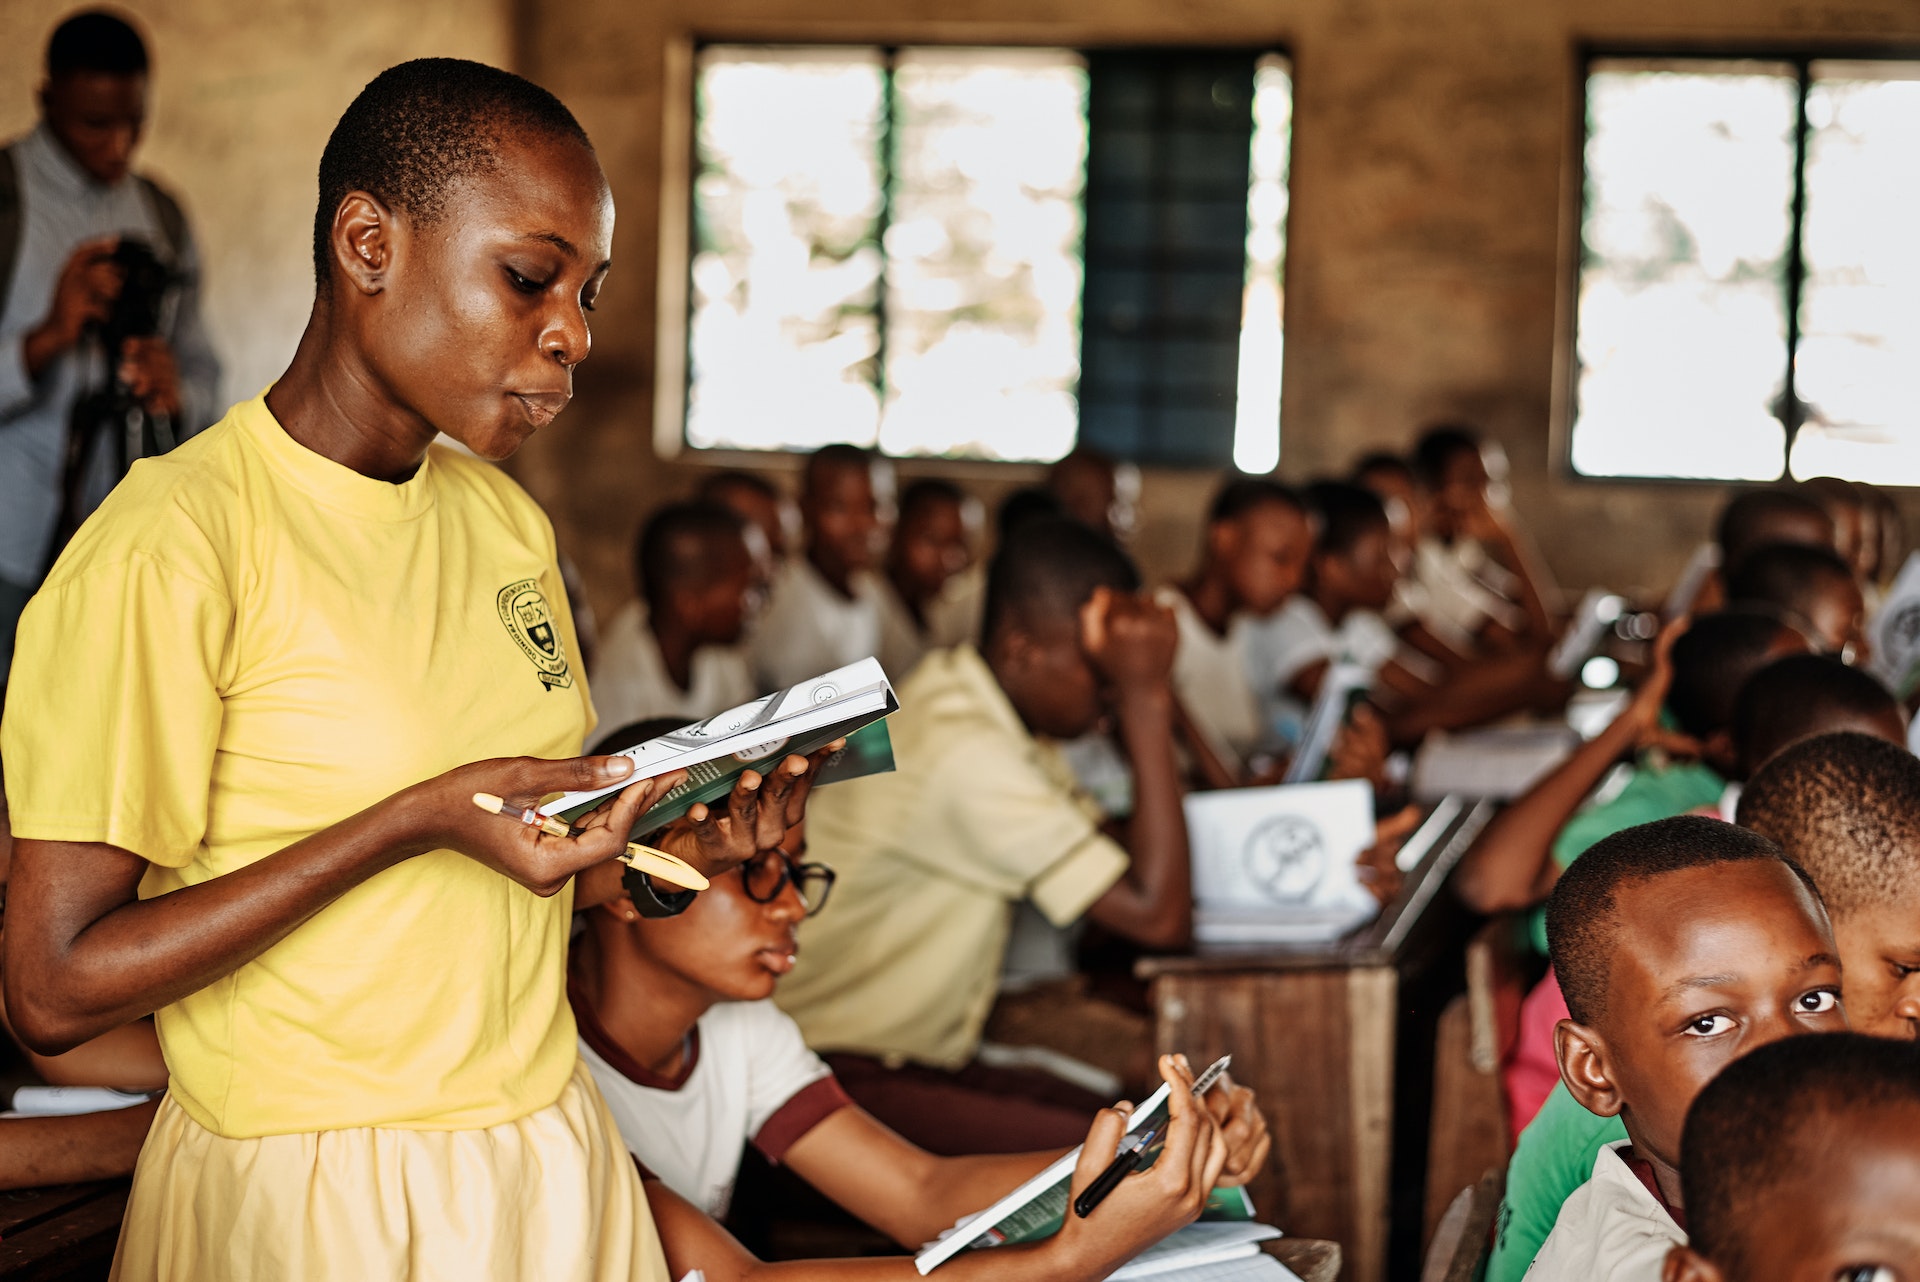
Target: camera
pixel 111 418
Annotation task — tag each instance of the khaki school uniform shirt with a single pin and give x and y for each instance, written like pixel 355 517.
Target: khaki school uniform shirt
pixel 904 961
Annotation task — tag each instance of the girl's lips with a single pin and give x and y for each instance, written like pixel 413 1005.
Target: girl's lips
pixel 778 960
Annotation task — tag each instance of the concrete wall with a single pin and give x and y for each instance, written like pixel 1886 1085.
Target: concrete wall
pixel 1428 236
pixel 245 95
pixel 1429 233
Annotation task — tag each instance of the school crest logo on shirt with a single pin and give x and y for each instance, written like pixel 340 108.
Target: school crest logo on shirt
pixel 523 608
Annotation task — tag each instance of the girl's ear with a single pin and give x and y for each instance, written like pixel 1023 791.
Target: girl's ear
pixel 362 242
pixel 1686 1265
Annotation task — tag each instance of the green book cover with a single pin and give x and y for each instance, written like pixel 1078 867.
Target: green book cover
pixel 868 751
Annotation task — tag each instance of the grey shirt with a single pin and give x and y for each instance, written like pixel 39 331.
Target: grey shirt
pixel 61 206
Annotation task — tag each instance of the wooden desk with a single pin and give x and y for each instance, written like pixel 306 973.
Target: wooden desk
pixel 1322 1033
pixel 66 1233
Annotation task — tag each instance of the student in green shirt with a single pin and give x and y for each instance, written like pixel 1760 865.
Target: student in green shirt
pixel 1787 701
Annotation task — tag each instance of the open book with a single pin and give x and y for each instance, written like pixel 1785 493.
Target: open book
pixel 846 703
pixel 1038 1208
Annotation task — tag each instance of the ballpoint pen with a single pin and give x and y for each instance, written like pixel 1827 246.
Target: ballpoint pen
pixel 646 859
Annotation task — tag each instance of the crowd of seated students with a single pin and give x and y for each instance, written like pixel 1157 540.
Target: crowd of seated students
pixel 1056 709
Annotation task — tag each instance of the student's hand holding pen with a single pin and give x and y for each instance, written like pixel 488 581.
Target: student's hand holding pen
pixel 446 817
pixel 1147 1205
pixel 755 819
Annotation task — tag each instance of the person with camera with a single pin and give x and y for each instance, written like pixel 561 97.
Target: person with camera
pixel 103 356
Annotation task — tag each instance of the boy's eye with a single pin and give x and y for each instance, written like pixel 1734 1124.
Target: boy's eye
pixel 523 284
pixel 1709 1025
pixel 1866 1273
pixel 1819 1002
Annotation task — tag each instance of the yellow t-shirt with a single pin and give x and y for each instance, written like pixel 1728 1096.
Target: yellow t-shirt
pixel 905 960
pixel 249 643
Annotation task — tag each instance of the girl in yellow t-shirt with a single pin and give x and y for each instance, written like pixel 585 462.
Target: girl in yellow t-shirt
pixel 235 733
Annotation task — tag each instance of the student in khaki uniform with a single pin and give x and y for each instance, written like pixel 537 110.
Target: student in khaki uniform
pixel 896 983
pixel 235 740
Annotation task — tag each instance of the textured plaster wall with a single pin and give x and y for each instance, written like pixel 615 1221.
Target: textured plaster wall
pixel 1431 196
pixel 244 95
pixel 1431 188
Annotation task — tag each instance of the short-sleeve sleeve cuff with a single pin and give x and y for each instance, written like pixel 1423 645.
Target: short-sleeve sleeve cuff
pixel 16 385
pixel 810 1106
pixel 1066 890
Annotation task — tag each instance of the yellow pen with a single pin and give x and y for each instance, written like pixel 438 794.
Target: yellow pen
pixel 646 859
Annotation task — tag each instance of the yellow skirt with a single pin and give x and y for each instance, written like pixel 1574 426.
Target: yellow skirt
pixel 553 1197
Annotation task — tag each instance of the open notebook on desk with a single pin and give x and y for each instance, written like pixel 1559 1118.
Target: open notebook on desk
pixel 1276 865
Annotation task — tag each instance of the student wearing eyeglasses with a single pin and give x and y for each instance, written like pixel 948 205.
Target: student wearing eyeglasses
pixel 695 1061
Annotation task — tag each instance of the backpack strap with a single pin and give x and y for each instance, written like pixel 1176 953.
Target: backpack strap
pixel 12 226
pixel 173 222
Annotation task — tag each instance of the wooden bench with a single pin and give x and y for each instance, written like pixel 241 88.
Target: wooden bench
pixel 61 1234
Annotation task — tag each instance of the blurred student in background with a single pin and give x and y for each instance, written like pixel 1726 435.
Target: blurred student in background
pixel 699 570
pixel 1481 583
pixel 925 601
pixel 824 611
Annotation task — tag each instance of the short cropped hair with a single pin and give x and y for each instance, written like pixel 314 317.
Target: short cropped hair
pixel 1380 461
pixel 1344 514
pixel 827 457
pixel 1583 922
pixel 1846 807
pixel 1046 569
pixel 1747 521
pixel 1713 658
pixel 1028 503
pixel 683 543
pixel 420 129
pixel 1239 497
pixel 927 491
pixel 1790 576
pixel 1802 695
pixel 97 40
pixel 1750 1130
pixel 720 482
pixel 1436 449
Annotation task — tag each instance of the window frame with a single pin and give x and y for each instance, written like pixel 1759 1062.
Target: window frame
pixel 678 232
pixel 1565 390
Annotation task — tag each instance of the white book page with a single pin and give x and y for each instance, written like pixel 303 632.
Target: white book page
pixel 833 696
pixel 1199 1243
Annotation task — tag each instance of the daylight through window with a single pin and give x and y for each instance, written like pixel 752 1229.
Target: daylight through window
pixel 888 250
pixel 1749 291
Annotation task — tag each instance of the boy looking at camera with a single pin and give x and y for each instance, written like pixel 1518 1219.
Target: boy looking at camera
pixel 1680 945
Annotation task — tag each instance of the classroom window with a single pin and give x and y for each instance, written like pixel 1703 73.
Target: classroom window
pixel 891 247
pixel 1749 292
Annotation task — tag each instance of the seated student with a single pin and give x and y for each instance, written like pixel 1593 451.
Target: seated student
pixel 1846 807
pixel 1556 1150
pixel 1850 516
pixel 1097 491
pixel 1351 577
pixel 1253 555
pixel 675 651
pixel 895 984
pixel 927 559
pixel 1478 580
pixel 1692 687
pixel 1680 945
pixel 1803 695
pixel 1779 514
pixel 38 1151
pixel 824 608
pixel 1814 587
pixel 1802 1161
pixel 757 501
pixel 1146 1207
pixel 695 1062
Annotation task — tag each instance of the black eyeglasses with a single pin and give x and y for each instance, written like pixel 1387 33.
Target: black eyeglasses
pixel 767 875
